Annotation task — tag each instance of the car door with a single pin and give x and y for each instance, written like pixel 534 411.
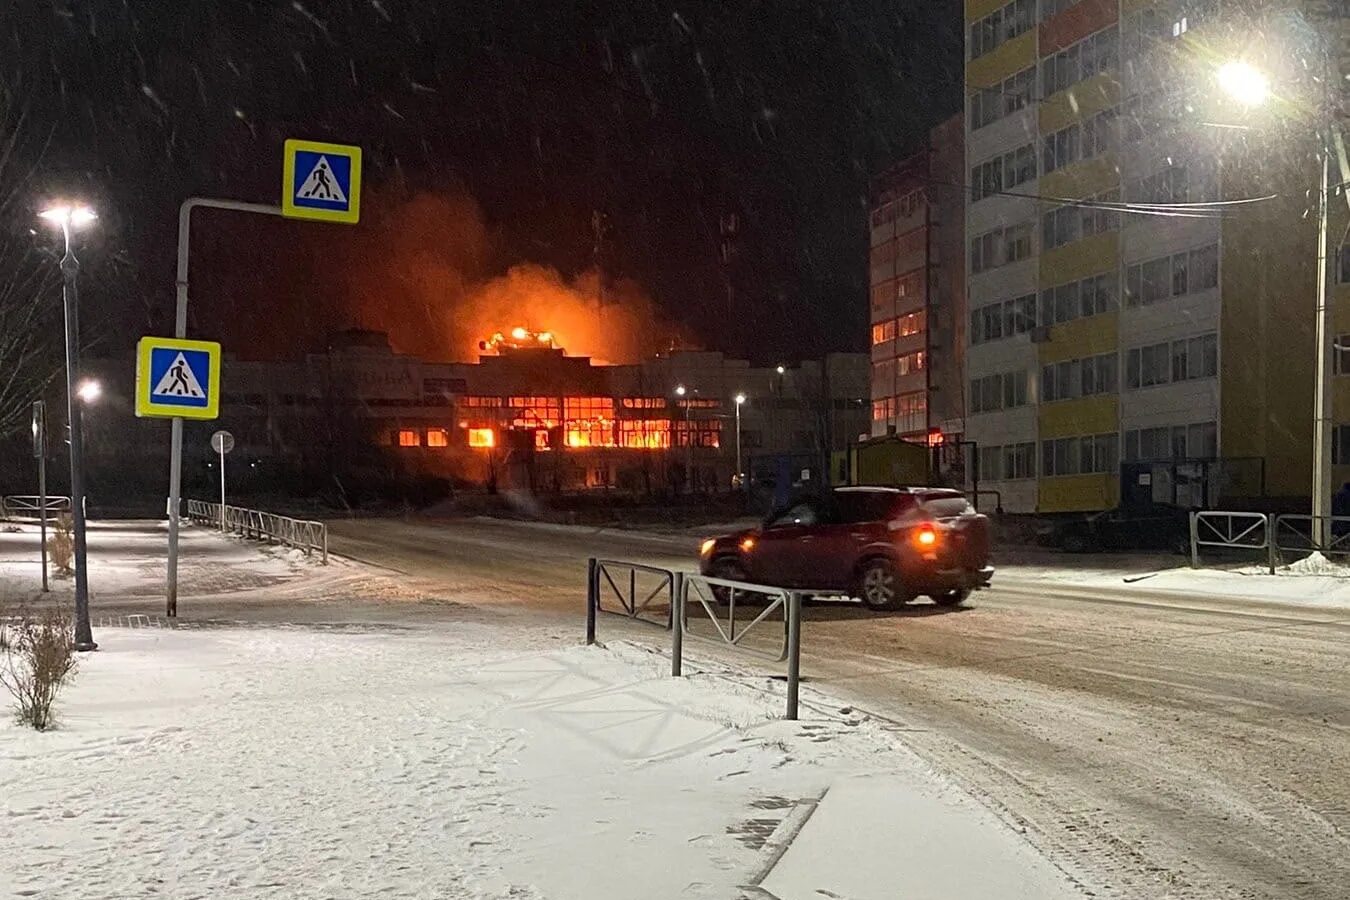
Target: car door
pixel 775 557
pixel 854 521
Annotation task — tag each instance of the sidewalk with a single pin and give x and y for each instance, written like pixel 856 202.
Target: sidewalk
pixel 305 762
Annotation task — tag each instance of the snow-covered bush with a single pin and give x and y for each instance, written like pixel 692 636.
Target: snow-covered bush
pixel 37 659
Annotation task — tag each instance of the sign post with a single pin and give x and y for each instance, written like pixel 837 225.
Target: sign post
pixel 40 451
pixel 177 379
pixel 222 442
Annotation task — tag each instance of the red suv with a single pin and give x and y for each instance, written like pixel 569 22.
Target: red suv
pixel 885 546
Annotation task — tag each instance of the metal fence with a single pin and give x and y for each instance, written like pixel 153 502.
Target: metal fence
pixel 254 524
pixel 662 598
pixel 1271 535
pixel 29 506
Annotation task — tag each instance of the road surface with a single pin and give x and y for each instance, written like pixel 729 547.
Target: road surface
pixel 1153 746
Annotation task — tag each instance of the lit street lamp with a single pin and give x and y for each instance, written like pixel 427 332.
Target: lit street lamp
pixel 1243 82
pixel 89 390
pixel 67 217
pixel 740 470
pixel 680 391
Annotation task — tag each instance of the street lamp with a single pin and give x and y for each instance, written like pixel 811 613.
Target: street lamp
pixel 1243 82
pixel 89 390
pixel 680 391
pixel 740 470
pixel 68 217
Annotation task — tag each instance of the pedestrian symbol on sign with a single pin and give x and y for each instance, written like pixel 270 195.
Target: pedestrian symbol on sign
pixel 320 184
pixel 178 381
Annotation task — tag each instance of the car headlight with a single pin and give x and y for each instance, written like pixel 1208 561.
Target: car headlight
pixel 707 546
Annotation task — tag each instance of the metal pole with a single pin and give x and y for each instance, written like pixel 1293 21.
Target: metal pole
pixel 677 624
pixel 40 450
pixel 1195 540
pixel 592 589
pixel 1272 541
pixel 180 331
pixel 740 470
pixel 1321 475
pixel 70 270
pixel 222 487
pixel 794 660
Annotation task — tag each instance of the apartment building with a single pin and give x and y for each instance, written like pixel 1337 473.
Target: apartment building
pixel 917 280
pixel 1117 352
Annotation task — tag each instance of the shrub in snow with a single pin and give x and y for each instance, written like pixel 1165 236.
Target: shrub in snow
pixel 61 544
pixel 37 659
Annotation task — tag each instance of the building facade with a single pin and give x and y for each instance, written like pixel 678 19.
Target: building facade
pixel 917 292
pixel 1120 347
pixel 525 416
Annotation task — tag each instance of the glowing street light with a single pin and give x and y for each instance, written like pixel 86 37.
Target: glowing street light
pixel 89 390
pixel 781 370
pixel 1244 83
pixel 69 216
pixel 740 470
pixel 679 390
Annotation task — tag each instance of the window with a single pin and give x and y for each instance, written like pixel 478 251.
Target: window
pixel 1172 276
pixel 1099 375
pixel 1340 355
pixel 909 285
pixel 1080 455
pixel 645 403
pixel 482 437
pixel 1003 99
pixel 1082 140
pixel 911 412
pixel 910 242
pixel 910 363
pixel 1187 359
pixel 644 434
pixel 913 323
pixel 437 437
pixel 1006 390
pixel 1197 182
pixel 481 402
pixel 1078 299
pixel 1092 55
pixel 1060 149
pixel 1079 378
pixel 1072 221
pixel 883 410
pixel 1010 462
pixel 589 422
pixel 883 332
pixel 1340 445
pixel 408 437
pixel 1196 441
pixel 1000 247
pixel 1003 172
pixel 1001 25
pixel 1003 319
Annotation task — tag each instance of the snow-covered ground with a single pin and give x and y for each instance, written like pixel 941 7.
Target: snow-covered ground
pixel 478 763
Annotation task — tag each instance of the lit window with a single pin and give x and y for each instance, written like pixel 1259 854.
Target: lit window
pixel 407 437
pixel 482 437
pixel 437 437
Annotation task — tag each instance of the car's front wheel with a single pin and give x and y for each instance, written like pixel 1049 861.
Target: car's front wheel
pixel 728 568
pixel 954 597
pixel 880 586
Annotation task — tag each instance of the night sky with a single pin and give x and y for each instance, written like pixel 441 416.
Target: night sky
pixel 492 133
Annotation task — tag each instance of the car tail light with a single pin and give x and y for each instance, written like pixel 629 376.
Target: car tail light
pixel 748 544
pixel 926 536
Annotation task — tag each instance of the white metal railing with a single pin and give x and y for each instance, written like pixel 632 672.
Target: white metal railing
pixel 254 524
pixel 29 506
pixel 1233 530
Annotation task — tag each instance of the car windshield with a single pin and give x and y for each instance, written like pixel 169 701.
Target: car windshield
pixel 945 506
pixel 797 514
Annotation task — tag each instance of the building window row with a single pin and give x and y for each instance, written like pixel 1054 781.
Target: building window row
pixel 1195 441
pixel 1186 359
pixel 910 363
pixel 1140 31
pixel 1001 25
pixel 1000 247
pixel 1079 299
pixel 1007 463
pixel 1175 184
pixel 1075 378
pixel 1086 455
pixel 1092 55
pixel 909 412
pixel 903 208
pixel 905 326
pixel 1012 94
pixel 1004 319
pixel 1074 221
pixel 1087 139
pixel 1188 272
pixel 1005 390
pixel 893 290
pixel 911 241
pixel 1003 172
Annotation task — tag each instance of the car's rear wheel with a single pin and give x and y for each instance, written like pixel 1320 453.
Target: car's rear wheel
pixel 954 597
pixel 728 568
pixel 880 586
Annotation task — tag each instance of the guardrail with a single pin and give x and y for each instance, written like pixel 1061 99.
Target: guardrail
pixel 1298 534
pixel 29 506
pixel 1234 530
pixel 644 584
pixel 254 524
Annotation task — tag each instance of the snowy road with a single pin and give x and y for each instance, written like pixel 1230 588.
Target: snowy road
pixel 1159 746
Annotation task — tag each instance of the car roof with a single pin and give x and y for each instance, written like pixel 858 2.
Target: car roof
pixel 882 489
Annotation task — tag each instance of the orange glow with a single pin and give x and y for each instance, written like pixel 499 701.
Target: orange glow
pixel 748 544
pixel 437 437
pixel 519 333
pixel 935 437
pixel 482 437
pixel 407 437
pixel 644 434
pixel 926 536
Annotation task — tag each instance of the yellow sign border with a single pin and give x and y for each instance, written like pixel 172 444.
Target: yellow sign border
pixel 352 214
pixel 146 409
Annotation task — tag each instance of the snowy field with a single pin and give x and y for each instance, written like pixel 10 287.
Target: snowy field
pixel 399 762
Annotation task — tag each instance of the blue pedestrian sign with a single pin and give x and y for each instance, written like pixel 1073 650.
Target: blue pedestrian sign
pixel 177 378
pixel 321 181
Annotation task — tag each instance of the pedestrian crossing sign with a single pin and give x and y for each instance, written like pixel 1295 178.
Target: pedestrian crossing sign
pixel 321 181
pixel 177 378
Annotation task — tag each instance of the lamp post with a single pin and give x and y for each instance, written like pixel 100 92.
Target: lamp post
pixel 681 391
pixel 740 469
pixel 67 217
pixel 1250 87
pixel 40 451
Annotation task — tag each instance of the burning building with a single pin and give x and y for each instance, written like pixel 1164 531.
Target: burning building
pixel 528 415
